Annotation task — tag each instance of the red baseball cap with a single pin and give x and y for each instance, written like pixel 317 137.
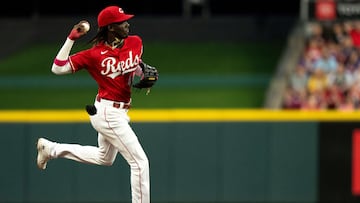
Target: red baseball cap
pixel 112 14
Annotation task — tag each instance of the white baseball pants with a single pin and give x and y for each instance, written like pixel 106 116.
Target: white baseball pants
pixel 114 135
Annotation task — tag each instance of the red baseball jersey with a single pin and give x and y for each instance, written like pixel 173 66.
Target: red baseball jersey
pixel 113 69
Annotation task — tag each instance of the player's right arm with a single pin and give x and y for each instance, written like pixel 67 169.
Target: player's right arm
pixel 61 64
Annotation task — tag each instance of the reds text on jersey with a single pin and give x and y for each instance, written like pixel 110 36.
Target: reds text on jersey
pixel 113 69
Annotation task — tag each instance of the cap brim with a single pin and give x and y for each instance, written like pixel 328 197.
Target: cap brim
pixel 126 17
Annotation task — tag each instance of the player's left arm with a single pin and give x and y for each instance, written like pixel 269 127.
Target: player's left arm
pixel 148 75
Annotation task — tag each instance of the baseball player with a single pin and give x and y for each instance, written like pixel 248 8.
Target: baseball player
pixel 113 61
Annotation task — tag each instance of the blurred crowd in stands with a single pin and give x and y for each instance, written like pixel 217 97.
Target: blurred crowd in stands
pixel 327 75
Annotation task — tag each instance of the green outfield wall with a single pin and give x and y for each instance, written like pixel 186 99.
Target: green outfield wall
pixel 205 161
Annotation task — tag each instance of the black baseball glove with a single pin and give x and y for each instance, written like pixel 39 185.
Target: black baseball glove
pixel 149 78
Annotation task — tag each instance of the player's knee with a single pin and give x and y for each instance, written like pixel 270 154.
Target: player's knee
pixel 107 162
pixel 141 165
pixel 144 164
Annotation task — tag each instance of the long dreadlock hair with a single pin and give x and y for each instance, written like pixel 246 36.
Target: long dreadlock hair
pixel 101 36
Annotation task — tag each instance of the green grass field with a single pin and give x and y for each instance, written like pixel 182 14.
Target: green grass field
pixel 193 75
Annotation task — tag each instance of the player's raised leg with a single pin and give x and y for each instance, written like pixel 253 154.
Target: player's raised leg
pixel 104 154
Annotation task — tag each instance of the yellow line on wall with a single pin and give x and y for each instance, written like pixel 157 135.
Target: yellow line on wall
pixel 180 115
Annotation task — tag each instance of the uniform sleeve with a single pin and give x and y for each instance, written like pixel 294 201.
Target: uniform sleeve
pixel 80 60
pixel 140 45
